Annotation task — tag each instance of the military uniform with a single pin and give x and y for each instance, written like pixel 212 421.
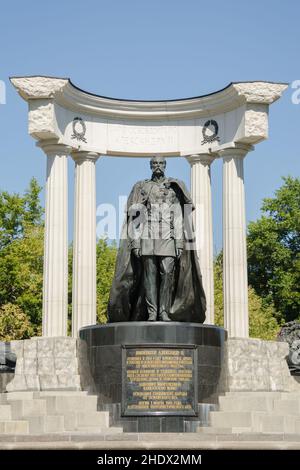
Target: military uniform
pixel 158 234
pixel 127 300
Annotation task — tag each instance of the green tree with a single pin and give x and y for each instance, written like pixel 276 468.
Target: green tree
pixel 11 217
pixel 262 321
pixel 218 290
pixel 21 273
pixel 17 212
pixel 106 260
pixel 33 211
pixel 21 253
pixel 70 284
pixel 14 323
pixel 274 251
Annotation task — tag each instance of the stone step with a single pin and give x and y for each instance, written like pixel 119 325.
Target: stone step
pixel 46 424
pixel 17 396
pixel 61 393
pixel 14 427
pixel 99 430
pixel 58 404
pixel 75 420
pixel 229 419
pixel 254 394
pixel 25 408
pixel 94 418
pixel 266 425
pixel 252 403
pixel 290 407
pixel 215 430
pixel 273 423
pixel 255 421
pixel 250 436
pixel 5 412
pixel 290 395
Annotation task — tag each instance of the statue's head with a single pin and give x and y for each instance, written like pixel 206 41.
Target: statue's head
pixel 158 165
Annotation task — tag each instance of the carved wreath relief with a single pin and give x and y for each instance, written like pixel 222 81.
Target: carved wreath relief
pixel 213 127
pixel 79 129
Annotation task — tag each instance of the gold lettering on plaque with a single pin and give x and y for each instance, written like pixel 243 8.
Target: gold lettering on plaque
pixel 159 379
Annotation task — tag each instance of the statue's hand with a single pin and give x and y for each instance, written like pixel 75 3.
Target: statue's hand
pixel 137 252
pixel 178 252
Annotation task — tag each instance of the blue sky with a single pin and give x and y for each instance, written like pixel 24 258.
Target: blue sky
pixel 150 49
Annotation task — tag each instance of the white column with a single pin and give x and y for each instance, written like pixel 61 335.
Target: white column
pixel 235 276
pixel 55 280
pixel 84 248
pixel 201 196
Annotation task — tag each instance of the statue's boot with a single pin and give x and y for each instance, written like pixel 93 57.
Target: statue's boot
pixel 163 316
pixel 152 316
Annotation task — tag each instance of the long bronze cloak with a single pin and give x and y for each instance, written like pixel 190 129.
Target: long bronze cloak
pixel 127 300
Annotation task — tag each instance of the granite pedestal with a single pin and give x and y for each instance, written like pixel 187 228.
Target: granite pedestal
pixel 106 346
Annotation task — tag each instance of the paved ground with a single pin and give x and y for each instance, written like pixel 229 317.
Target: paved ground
pixel 150 441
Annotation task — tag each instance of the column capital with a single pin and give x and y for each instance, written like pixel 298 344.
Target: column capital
pixel 205 158
pixel 235 150
pixel 80 156
pixel 52 146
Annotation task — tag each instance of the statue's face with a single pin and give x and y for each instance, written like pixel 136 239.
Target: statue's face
pixel 158 166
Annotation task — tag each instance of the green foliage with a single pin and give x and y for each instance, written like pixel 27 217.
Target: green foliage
pixel 33 210
pixel 14 323
pixel 21 265
pixel 218 291
pixel 273 258
pixel 17 211
pixel 11 217
pixel 21 273
pixel 21 253
pixel 106 260
pixel 70 283
pixel 262 321
pixel 274 251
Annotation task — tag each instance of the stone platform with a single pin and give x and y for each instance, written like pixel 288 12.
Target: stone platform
pixel 254 398
pixel 105 355
pixel 151 441
pixel 70 420
pixel 51 413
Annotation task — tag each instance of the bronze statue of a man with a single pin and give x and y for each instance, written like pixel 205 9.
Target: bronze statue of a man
pixel 161 240
pixel 157 275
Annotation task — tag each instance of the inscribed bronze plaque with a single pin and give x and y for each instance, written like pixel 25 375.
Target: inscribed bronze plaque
pixel 159 380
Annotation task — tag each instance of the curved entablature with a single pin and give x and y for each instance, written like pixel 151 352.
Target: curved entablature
pixel 60 110
pixel 69 95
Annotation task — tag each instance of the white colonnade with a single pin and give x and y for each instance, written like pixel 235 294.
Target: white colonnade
pixel 55 280
pixel 84 245
pixel 68 121
pixel 235 279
